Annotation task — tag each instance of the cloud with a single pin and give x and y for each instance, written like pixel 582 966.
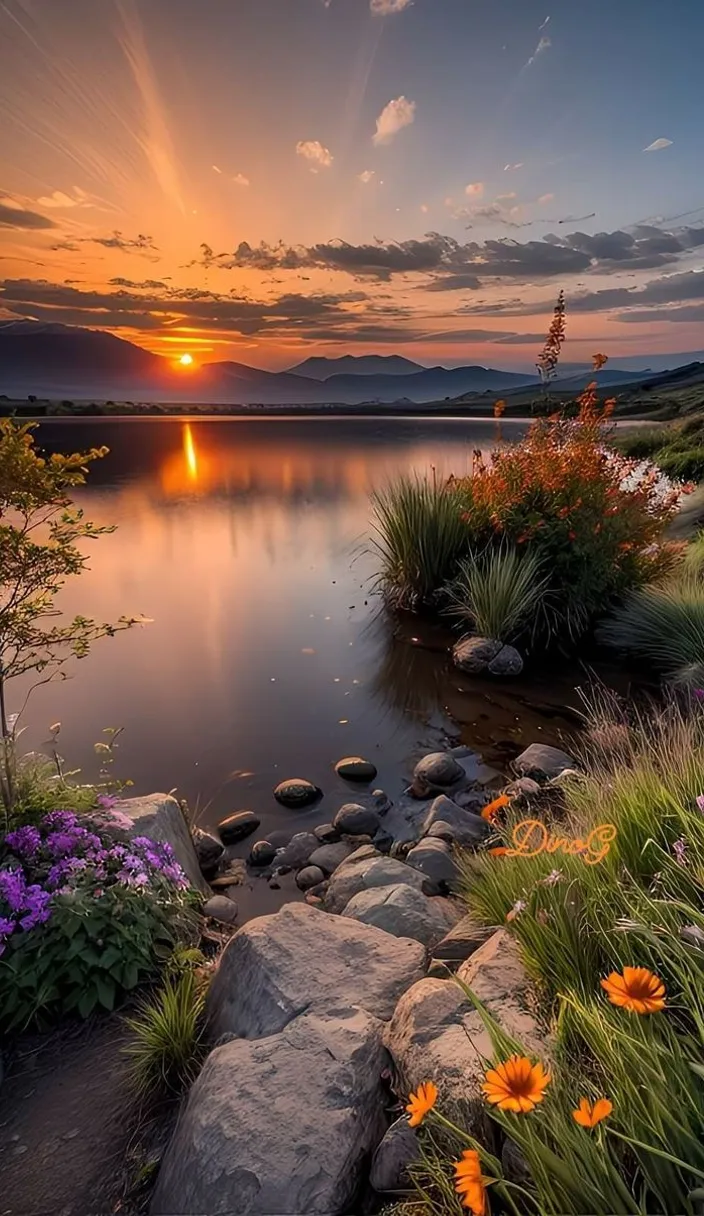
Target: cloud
pixel 394 117
pixel 544 23
pixel 658 145
pixel 546 198
pixel 240 180
pixel 367 176
pixel 18 217
pixel 139 244
pixel 512 168
pixel 521 339
pixel 424 208
pixel 144 285
pixel 312 150
pixel 216 169
pixel 383 8
pixel 79 198
pixel 474 189
pixel 543 45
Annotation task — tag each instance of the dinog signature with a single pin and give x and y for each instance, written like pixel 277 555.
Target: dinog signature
pixel 531 837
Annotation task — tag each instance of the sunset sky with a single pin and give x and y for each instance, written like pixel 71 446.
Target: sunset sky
pixel 264 180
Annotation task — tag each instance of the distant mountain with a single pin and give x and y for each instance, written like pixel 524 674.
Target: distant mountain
pixel 360 365
pixel 32 353
pixel 431 384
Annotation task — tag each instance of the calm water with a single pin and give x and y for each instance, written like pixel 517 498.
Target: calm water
pixel 268 656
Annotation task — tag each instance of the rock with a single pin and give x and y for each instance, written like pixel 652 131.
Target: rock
pixel 404 821
pixel 277 966
pixel 208 851
pixel 219 907
pixel 383 841
pixel 329 856
pixel 514 1165
pixel 437 1035
pixel 296 853
pixel 238 826
pixel 235 875
pixel 297 792
pixel 279 838
pixel 566 777
pixel 390 1163
pixel 160 817
pixel 466 828
pixel 434 858
pixel 309 877
pixel 542 762
pixel 462 941
pixel 404 911
pixel 326 833
pixel 262 853
pixel 382 802
pixel 285 1126
pixel 474 655
pixel 364 870
pixel 355 820
pixel 508 662
pixel 439 769
pixel 354 768
pixel 524 789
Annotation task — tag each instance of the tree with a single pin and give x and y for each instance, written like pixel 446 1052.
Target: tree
pixel 40 529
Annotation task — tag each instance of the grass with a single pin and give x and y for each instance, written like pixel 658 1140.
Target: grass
pixel 497 592
pixel 40 787
pixel 168 1037
pixel 678 447
pixel 663 624
pixel 419 537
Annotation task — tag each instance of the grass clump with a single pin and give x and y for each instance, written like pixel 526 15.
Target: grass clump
pixel 419 538
pixel 677 448
pixel 168 1033
pixel 497 592
pixel 663 624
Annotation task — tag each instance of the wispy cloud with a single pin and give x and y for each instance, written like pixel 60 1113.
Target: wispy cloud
pixel 383 8
pixel 546 198
pixel 512 168
pixel 394 117
pixel 240 180
pixel 315 153
pixel 424 208
pixel 541 48
pixel 474 189
pixel 60 200
pixel 544 23
pixel 12 216
pixel 367 176
pixel 658 145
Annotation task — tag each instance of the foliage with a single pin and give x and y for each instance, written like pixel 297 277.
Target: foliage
pixel 678 449
pixel 419 538
pixel 662 624
pixel 40 531
pixel 168 1035
pixel 550 354
pixel 85 914
pixel 594 519
pixel 497 592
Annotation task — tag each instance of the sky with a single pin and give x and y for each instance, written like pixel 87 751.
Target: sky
pixel 264 180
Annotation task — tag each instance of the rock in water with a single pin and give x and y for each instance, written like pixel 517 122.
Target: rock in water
pixel 542 762
pixel 508 662
pixel 281 1127
pixel 300 959
pixel 354 768
pixel 262 853
pixel 355 820
pixel 296 852
pixel 434 858
pixel 208 851
pixel 330 856
pixel 466 828
pixel 474 655
pixel 309 876
pixel 219 907
pixel 238 826
pixel 297 792
pixel 439 769
pixel 326 833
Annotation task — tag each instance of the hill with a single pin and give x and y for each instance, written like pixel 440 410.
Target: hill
pixel 360 365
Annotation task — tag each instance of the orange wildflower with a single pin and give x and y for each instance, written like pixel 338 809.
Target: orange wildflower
pixel 422 1102
pixel 589 1113
pixel 500 851
pixel 470 1184
pixel 516 1085
pixel 637 990
pixel 599 361
pixel 491 811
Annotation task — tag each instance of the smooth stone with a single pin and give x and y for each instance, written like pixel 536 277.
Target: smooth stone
pixel 434 858
pixel 235 875
pixel 404 911
pixel 405 819
pixel 160 817
pixel 397 1151
pixel 219 907
pixel 301 959
pixel 329 856
pixel 383 841
pixel 208 851
pixel 465 828
pixel 354 768
pixel 262 853
pixel 438 769
pixel 297 851
pixel 238 826
pixel 297 792
pixel 279 838
pixel 326 833
pixel 508 662
pixel 542 762
pixel 355 820
pixel 524 788
pixel 309 877
pixel 364 870
pixel 461 942
pixel 474 655
pixel 382 802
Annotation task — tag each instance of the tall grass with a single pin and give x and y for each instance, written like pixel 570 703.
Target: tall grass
pixel 497 592
pixel 167 1045
pixel 662 624
pixel 419 537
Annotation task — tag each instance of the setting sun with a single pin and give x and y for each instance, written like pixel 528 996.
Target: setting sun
pixel 186 360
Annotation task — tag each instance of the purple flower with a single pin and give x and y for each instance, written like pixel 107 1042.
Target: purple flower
pixel 700 802
pixel 679 848
pixel 106 802
pixel 12 887
pixel 6 927
pixel 60 820
pixel 25 841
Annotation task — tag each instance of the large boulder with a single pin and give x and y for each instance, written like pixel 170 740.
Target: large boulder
pixel 404 820
pixel 366 869
pixel 297 852
pixel 160 817
pixel 462 941
pixel 468 829
pixel 438 770
pixel 405 912
pixel 436 1034
pixel 542 762
pixel 208 851
pixel 330 856
pixel 434 858
pixel 355 820
pixel 354 768
pixel 282 1126
pixel 278 966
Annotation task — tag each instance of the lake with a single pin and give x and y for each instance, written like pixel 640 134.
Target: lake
pixel 268 655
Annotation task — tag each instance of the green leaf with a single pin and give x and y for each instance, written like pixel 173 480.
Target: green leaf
pixel 106 993
pixel 87 1002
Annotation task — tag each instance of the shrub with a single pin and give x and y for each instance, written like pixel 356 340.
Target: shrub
pixel 85 915
pixel 687 465
pixel 419 538
pixel 662 625
pixel 497 592
pixel 167 1046
pixel 594 519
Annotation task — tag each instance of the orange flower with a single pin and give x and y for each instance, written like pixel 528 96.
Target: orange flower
pixel 637 990
pixel 422 1102
pixel 500 851
pixel 516 1085
pixel 589 1114
pixel 491 811
pixel 470 1184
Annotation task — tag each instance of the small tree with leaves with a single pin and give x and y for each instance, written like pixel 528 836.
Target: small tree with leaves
pixel 40 532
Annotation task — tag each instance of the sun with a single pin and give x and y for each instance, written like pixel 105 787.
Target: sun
pixel 186 360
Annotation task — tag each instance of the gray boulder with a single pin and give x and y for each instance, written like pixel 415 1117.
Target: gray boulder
pixel 354 768
pixel 297 792
pixel 297 852
pixel 439 769
pixel 160 817
pixel 404 820
pixel 308 877
pixel 278 966
pixel 382 802
pixel 474 655
pixel 434 858
pixel 366 869
pixel 523 789
pixel 542 763
pixel 355 820
pixel 208 851
pixel 238 826
pixel 467 829
pixel 283 1126
pixel 330 856
pixel 219 907
pixel 404 911
pixel 326 833
pixel 390 1163
pixel 508 662
pixel 262 853
pixel 461 942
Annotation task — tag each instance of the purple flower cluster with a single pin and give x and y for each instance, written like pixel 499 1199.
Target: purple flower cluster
pixel 64 855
